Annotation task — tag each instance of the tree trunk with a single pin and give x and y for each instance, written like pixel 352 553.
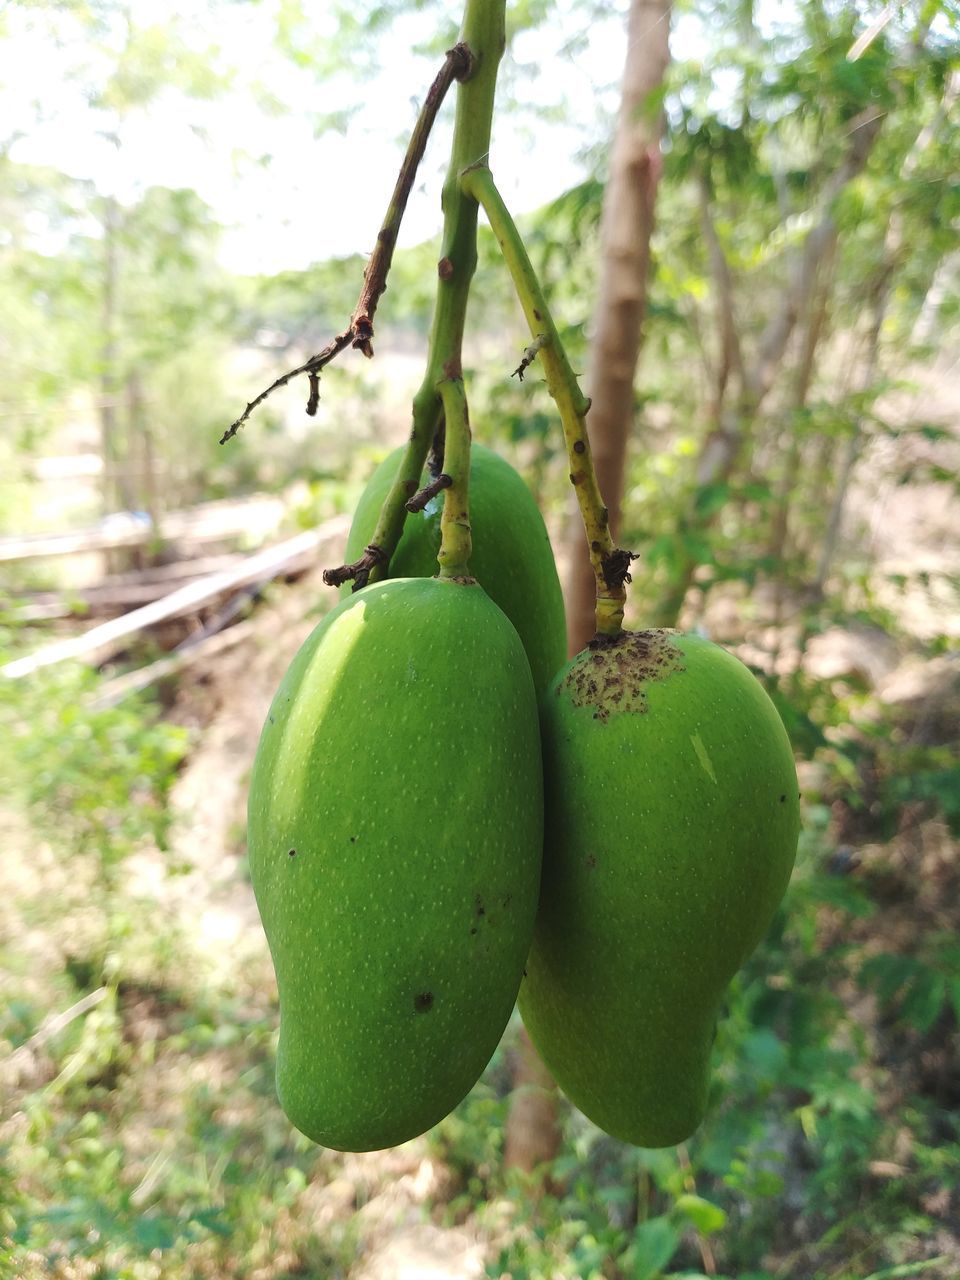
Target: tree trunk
pixel 532 1136
pixel 109 445
pixel 791 444
pixel 625 230
pixel 141 451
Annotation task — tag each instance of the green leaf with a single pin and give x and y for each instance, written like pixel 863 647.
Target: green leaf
pixel 155 1233
pixel 765 1052
pixel 887 974
pixel 654 1244
pixel 711 498
pixel 924 1001
pixel 705 1217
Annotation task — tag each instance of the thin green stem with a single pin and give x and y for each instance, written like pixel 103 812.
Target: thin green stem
pixel 455 540
pixel 484 35
pixel 609 566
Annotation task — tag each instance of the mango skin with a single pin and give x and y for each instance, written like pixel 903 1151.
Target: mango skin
pixel 672 818
pixel 512 558
pixel 395 835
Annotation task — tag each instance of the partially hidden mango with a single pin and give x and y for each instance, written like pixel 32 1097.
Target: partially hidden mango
pixel 395 835
pixel 511 559
pixel 672 819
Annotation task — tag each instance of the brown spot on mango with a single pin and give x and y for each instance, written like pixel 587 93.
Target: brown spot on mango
pixel 613 675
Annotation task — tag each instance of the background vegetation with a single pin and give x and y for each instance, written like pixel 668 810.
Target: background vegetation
pixel 793 493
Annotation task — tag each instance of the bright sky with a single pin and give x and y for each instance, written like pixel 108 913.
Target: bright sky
pixel 317 197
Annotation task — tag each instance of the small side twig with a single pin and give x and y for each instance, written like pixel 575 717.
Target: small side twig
pixel 458 65
pixel 359 571
pixel 314 399
pixel 420 500
pixel 311 366
pixel 529 355
pixel 616 567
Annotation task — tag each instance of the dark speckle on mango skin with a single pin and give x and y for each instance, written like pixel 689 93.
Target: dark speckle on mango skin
pixel 613 675
pixel 400 926
pixel 671 829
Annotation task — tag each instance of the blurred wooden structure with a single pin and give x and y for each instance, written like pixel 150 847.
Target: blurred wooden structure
pixel 256 516
pixel 288 558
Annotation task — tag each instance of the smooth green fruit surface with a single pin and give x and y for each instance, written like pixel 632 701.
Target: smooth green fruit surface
pixel 672 818
pixel 512 559
pixel 395 834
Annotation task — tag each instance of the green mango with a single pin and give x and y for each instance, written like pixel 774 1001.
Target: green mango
pixel 395 835
pixel 512 559
pixel 672 818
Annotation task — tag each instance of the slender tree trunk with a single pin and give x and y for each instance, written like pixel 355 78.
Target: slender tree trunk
pixel 851 449
pixel 790 446
pixel 726 436
pixel 532 1136
pixel 894 248
pixel 729 356
pixel 141 448
pixel 626 226
pixel 109 445
pixel 117 488
pixel 945 284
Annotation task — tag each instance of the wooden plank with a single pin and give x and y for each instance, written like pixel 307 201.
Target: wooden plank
pixel 295 553
pixel 108 596
pixel 225 518
pixel 126 533
pixel 117 592
pixel 188 567
pixel 113 691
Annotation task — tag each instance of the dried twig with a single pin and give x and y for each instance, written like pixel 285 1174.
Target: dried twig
pixel 359 571
pixel 529 355
pixel 359 333
pixel 420 500
pixel 616 566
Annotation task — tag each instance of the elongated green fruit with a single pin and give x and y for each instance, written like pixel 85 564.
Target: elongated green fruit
pixel 511 558
pixel 672 818
pixel 395 834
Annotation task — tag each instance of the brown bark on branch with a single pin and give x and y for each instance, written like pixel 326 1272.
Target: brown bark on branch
pixel 429 491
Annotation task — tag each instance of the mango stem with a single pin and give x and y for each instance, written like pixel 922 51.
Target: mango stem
pixel 455 538
pixel 484 35
pixel 477 181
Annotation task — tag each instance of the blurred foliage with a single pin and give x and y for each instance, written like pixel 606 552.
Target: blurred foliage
pixel 95 779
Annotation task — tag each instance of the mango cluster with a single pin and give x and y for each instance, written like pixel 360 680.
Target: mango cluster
pixel 444 818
